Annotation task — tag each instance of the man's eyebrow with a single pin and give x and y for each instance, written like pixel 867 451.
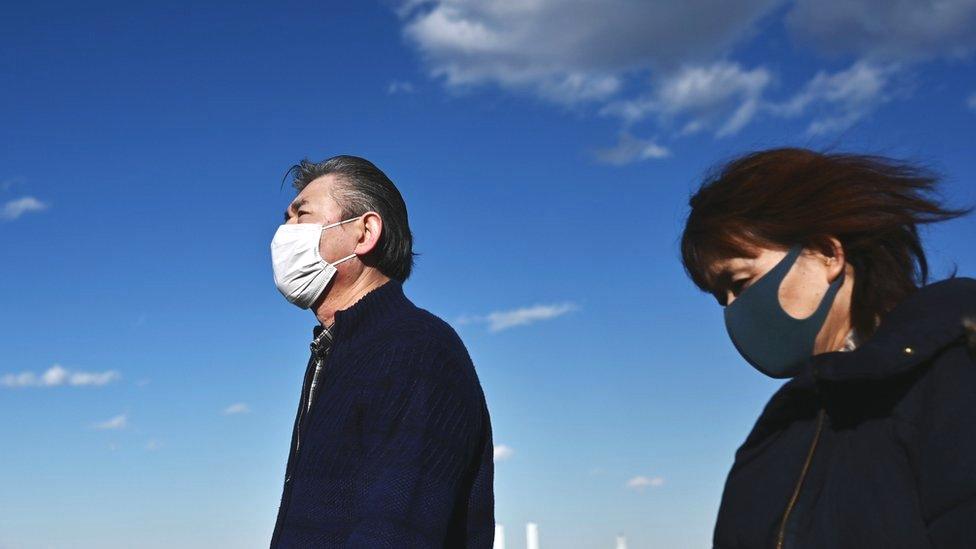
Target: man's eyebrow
pixel 295 206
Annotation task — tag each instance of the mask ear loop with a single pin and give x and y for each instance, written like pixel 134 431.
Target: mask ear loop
pixel 347 258
pixel 350 256
pixel 342 222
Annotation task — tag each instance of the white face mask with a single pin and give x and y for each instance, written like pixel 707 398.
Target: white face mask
pixel 300 273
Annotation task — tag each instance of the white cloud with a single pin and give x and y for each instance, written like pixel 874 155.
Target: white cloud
pixel 886 29
pixel 503 452
pixel 591 51
pixel 113 424
pixel 569 51
pixel 16 208
pixel 398 86
pixel 641 483
pixel 839 100
pixel 631 149
pixel 56 376
pixel 971 102
pixel 236 408
pixel 503 320
pixel 152 445
pixel 722 95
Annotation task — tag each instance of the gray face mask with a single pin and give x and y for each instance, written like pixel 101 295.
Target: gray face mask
pixel 766 335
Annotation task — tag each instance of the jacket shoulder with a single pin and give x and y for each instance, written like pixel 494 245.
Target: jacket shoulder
pixel 418 325
pixel 959 287
pixel 430 345
pixel 951 305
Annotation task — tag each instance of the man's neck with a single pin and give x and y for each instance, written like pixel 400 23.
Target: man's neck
pixel 348 296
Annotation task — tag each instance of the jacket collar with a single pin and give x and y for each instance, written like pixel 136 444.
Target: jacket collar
pixel 377 305
pixel 909 335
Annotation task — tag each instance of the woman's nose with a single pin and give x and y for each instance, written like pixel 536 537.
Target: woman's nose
pixel 729 298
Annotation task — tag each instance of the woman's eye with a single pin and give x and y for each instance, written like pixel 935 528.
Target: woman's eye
pixel 739 285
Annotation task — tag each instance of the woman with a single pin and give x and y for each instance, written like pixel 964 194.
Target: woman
pixel 818 263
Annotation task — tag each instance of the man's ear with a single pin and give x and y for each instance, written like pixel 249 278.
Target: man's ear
pixel 372 229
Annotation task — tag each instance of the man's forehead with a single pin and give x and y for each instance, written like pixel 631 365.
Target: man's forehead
pixel 316 192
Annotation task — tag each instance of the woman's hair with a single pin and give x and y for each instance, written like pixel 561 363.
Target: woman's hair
pixel 780 197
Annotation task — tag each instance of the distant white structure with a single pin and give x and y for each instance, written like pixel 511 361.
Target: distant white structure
pixel 531 536
pixel 499 537
pixel 621 542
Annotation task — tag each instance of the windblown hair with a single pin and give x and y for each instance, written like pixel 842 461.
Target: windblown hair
pixel 781 197
pixel 365 188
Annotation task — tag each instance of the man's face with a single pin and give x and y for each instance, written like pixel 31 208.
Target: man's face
pixel 316 205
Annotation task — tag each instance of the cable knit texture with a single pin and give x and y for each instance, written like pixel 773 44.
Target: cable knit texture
pixel 396 450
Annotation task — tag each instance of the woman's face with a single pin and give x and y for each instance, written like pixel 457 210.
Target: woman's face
pixel 799 294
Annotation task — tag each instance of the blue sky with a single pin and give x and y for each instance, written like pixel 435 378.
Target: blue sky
pixel 149 370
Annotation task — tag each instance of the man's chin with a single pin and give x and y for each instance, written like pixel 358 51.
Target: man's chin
pixel 317 304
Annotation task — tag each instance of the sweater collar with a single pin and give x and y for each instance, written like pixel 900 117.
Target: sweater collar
pixel 909 335
pixel 376 305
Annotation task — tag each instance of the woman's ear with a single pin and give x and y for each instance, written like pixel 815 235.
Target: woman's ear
pixel 836 262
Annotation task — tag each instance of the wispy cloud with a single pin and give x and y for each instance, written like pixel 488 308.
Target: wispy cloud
pixel 630 149
pixel 503 320
pixel 641 483
pixel 503 452
pixel 112 424
pixel 903 31
pixel 13 209
pixel 683 52
pixel 399 86
pixel 839 100
pixel 57 375
pixel 569 51
pixel 971 102
pixel 236 408
pixel 152 445
pixel 722 97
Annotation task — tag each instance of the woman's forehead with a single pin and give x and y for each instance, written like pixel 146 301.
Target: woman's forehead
pixel 722 271
pixel 729 264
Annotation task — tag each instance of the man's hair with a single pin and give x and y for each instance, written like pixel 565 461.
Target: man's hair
pixel 361 188
pixel 780 197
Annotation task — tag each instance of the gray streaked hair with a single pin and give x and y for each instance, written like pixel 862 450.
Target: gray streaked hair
pixel 365 188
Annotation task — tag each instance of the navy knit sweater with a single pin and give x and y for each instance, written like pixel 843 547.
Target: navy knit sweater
pixel 396 450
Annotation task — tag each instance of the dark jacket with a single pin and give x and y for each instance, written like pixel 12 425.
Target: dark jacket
pixel 870 448
pixel 396 450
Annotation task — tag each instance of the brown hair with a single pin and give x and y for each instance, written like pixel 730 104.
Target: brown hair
pixel 780 197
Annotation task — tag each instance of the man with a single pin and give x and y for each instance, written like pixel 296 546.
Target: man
pixel 392 441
